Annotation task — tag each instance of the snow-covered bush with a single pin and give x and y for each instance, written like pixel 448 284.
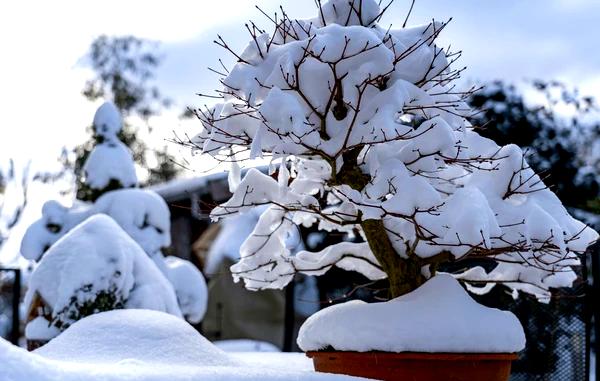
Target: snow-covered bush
pixel 140 213
pixel 368 131
pixel 95 267
pixel 110 164
pixel 143 214
pixel 190 286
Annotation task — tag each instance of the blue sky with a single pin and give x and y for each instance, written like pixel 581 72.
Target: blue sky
pixel 41 75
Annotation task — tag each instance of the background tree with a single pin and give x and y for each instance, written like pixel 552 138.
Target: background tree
pixel 124 70
pixel 2 182
pixel 14 187
pixel 556 144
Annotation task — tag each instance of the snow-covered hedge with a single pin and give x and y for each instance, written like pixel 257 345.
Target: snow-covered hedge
pixel 367 131
pixel 143 214
pixel 95 267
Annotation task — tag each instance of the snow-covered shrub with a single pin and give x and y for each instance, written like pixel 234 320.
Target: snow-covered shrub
pixel 110 164
pixel 141 213
pixel 190 286
pixel 367 131
pixel 95 267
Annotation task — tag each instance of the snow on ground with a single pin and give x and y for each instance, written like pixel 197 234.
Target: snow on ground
pixel 124 345
pixel 274 360
pixel 245 345
pixel 437 317
pixel 140 335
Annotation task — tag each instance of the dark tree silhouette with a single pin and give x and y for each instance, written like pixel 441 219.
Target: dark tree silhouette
pixel 555 145
pixel 124 70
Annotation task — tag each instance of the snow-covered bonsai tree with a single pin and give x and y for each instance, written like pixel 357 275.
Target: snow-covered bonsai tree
pixel 370 133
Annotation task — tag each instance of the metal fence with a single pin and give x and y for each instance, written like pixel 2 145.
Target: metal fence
pixel 560 334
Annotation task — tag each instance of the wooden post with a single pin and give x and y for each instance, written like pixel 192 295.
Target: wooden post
pixel 289 317
pixel 16 321
pixel 595 293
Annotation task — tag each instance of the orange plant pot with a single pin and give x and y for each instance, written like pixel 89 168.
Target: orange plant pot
pixel 410 366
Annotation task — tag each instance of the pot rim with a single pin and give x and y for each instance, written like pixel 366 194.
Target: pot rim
pixel 445 356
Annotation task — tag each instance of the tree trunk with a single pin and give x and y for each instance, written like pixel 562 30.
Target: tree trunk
pixel 404 274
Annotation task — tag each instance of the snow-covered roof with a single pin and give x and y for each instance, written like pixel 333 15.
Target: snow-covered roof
pixel 181 189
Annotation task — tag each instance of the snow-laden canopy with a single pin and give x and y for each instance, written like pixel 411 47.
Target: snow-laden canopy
pixel 107 121
pixel 110 161
pixel 370 133
pixel 190 287
pixel 94 267
pixel 143 214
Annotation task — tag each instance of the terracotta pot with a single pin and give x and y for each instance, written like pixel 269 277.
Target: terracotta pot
pixel 410 366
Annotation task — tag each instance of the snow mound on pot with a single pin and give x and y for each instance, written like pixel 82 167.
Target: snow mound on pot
pixel 134 335
pixel 437 317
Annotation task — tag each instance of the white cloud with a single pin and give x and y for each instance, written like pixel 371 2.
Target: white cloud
pixel 42 41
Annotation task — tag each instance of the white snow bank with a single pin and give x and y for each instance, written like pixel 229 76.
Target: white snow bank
pixel 98 257
pixel 437 317
pixel 141 335
pixel 142 345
